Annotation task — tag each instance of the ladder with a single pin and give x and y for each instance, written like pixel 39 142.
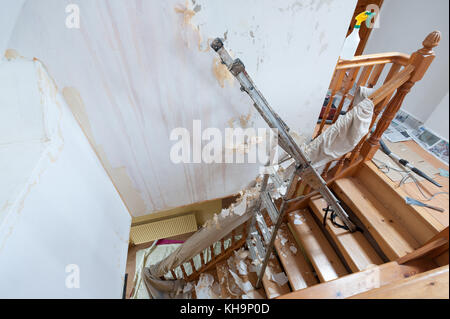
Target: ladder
pixel 261 248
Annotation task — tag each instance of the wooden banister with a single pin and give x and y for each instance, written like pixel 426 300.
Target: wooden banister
pixel 420 61
pixel 374 59
pixel 393 84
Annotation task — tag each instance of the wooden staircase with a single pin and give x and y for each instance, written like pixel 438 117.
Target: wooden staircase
pixel 399 250
pixel 324 261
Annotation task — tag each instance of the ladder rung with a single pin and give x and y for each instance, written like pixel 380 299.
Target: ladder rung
pixel 276 179
pixel 270 206
pixel 257 250
pixel 263 227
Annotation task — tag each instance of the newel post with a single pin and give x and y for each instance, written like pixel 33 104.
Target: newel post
pixel 421 61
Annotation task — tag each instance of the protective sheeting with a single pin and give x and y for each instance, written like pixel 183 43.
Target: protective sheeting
pixel 342 137
pixel 213 231
pixel 145 258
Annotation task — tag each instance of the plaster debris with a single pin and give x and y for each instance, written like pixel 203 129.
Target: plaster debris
pixel 280 278
pixel 216 221
pixel 205 288
pixel 242 253
pixel 273 293
pixel 241 208
pixel 221 73
pixel 293 249
pixel 282 190
pixel 259 218
pixel 298 219
pixel 268 272
pixel 242 268
pixel 282 239
pixel 225 212
pixel 188 287
pixel 244 286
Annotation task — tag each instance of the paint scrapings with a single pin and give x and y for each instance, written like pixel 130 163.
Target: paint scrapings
pixel 206 288
pixel 298 219
pixel 221 73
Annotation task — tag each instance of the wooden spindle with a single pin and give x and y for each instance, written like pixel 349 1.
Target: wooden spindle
pixel 367 70
pixel 395 68
pixel 361 82
pixel 339 165
pixel 325 170
pixel 213 254
pixel 375 75
pixel 340 74
pixel 307 189
pixel 202 259
pixel 174 276
pixel 183 272
pixel 348 86
pixel 194 270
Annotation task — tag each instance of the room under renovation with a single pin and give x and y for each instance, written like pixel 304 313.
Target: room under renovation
pixel 239 149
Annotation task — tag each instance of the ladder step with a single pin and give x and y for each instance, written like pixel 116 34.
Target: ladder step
pixel 276 179
pixel 257 250
pixel 270 206
pixel 266 232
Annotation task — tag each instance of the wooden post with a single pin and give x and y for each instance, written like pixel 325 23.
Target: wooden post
pixel 421 61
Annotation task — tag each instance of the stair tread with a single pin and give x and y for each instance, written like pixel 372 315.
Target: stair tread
pixel 391 236
pixel 420 221
pixel 360 282
pixel 327 264
pixel 298 270
pixel 272 288
pixel 354 247
pixel 432 284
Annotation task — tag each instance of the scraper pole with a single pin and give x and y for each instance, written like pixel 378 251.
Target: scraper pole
pixel 237 68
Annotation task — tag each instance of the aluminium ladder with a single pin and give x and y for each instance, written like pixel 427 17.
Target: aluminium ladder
pixel 260 251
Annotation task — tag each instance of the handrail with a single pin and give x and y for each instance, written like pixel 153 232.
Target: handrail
pixel 386 89
pixel 374 59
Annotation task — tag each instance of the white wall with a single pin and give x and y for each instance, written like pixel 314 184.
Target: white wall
pixel 57 204
pixel 403 26
pixel 135 70
pixel 9 11
pixel 438 120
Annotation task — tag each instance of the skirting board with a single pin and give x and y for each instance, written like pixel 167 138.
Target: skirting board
pixel 165 228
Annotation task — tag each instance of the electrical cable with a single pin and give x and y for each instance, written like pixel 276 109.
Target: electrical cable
pixel 386 168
